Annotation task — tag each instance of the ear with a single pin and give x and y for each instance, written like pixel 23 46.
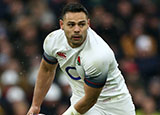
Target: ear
pixel 89 22
pixel 61 24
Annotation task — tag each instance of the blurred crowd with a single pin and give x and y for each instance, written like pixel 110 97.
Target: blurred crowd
pixel 130 27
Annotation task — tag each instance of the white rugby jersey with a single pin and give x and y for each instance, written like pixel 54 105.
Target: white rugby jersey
pixel 92 63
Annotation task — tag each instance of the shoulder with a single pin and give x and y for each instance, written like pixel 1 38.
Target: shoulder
pixel 96 47
pixel 54 35
pixel 94 59
pixel 53 41
pixel 97 54
pixel 54 38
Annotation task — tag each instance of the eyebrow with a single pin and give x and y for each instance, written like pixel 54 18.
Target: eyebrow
pixel 83 21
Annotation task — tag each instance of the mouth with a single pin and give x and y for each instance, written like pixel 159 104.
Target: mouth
pixel 76 37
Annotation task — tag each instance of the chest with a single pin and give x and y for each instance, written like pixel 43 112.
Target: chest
pixel 70 63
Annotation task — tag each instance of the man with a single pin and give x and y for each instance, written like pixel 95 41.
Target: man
pixel 89 64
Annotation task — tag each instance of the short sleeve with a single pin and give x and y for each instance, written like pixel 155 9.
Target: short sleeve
pixel 48 55
pixel 96 71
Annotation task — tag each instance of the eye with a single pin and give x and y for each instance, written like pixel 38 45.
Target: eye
pixel 82 24
pixel 70 24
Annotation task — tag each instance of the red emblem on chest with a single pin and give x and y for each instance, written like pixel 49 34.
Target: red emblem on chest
pixel 78 61
pixel 61 54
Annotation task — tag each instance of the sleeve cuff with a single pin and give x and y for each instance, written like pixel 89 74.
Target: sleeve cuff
pixel 93 84
pixel 49 59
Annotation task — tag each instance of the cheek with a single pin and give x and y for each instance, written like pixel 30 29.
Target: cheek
pixel 68 33
pixel 85 33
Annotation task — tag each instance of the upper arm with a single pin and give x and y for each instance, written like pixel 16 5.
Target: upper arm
pixel 49 49
pixel 49 61
pixel 91 93
pixel 45 66
pixel 95 78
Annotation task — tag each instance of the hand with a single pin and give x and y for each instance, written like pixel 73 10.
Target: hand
pixel 33 110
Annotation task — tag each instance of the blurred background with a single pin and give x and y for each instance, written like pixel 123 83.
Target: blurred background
pixel 130 27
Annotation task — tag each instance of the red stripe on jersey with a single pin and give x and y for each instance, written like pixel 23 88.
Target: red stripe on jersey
pixel 93 82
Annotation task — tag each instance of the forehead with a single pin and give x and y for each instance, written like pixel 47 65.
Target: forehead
pixel 75 16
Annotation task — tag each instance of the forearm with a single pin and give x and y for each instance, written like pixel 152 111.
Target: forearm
pixel 81 107
pixel 43 83
pixel 88 100
pixel 84 104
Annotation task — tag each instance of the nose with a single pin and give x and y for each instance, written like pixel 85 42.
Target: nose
pixel 76 29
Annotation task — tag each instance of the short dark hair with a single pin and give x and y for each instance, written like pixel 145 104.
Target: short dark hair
pixel 74 7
